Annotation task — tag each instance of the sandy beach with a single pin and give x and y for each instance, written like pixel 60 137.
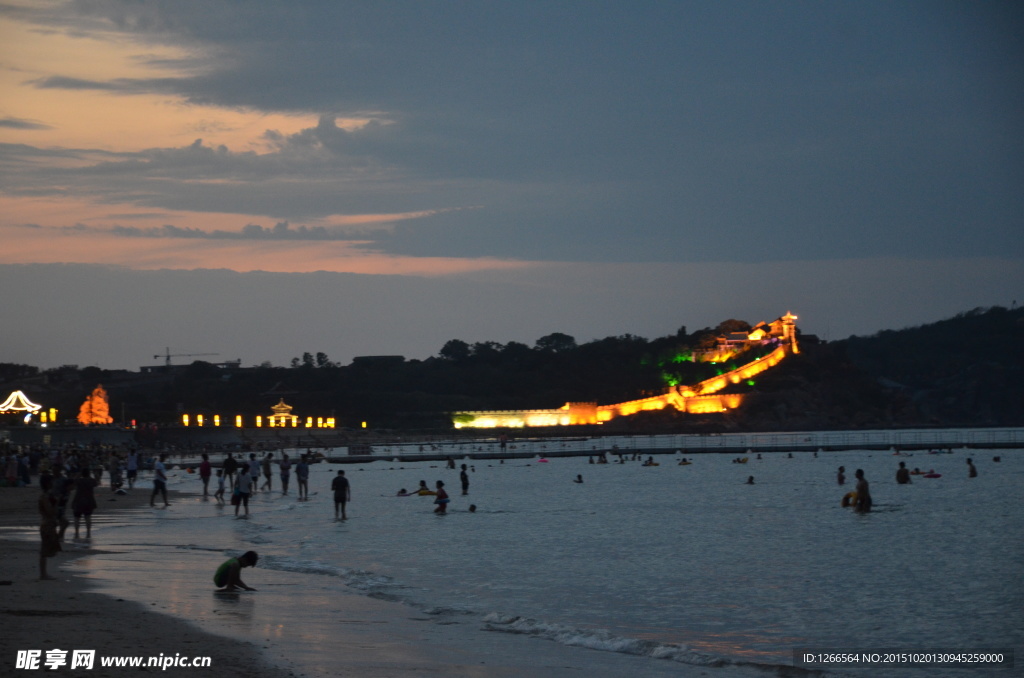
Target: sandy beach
pixel 62 614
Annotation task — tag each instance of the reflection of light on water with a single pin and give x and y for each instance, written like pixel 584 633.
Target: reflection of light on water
pixel 236 607
pixel 749 646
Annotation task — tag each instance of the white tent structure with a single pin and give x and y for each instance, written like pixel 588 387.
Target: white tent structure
pixel 18 402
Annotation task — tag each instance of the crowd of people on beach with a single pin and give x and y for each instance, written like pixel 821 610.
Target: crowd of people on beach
pixel 67 478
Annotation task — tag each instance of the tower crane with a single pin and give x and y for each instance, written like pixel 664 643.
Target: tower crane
pixel 167 355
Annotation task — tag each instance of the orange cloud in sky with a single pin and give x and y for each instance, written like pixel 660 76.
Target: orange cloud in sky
pixel 47 245
pixel 90 118
pixel 95 121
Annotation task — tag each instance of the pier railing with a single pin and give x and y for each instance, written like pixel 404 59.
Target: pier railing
pixel 732 443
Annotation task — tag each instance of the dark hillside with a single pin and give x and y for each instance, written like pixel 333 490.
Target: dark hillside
pixel 964 371
pixel 967 370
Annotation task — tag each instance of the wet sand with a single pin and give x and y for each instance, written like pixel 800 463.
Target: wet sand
pixel 44 615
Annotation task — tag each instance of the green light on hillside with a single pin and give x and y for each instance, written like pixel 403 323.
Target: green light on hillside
pixel 750 382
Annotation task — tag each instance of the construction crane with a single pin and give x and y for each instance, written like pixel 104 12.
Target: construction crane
pixel 167 355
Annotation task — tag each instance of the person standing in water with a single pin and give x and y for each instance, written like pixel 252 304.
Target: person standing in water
pixel 230 467
pixel 243 489
pixel 971 471
pixel 132 468
pixel 254 473
pixel 205 471
pixel 285 465
pixel 863 504
pixel 342 494
pixel 841 476
pixel 159 481
pixel 902 474
pixel 84 502
pixel 464 478
pixel 302 476
pixel 442 499
pixel 219 494
pixel 268 472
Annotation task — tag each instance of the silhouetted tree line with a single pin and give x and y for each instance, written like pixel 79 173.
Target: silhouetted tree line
pixel 963 371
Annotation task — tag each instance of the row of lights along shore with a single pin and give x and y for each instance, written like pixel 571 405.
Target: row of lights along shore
pixel 200 420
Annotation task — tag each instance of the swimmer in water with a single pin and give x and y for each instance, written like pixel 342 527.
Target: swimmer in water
pixel 903 475
pixel 971 472
pixel 750 480
pixel 841 476
pixel 579 479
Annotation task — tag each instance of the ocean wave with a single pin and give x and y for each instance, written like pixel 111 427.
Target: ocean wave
pixel 196 547
pixel 257 539
pixel 446 610
pixel 370 583
pixel 599 639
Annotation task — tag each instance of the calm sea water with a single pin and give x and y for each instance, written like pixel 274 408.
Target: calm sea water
pixel 687 566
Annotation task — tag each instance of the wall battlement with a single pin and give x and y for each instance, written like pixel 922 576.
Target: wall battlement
pixel 700 398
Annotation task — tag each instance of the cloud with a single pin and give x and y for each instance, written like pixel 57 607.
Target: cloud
pixel 670 131
pixel 280 231
pixel 18 123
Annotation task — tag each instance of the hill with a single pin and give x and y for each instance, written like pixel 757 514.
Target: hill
pixel 964 371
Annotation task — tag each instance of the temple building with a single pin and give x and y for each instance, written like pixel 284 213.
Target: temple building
pixel 282 415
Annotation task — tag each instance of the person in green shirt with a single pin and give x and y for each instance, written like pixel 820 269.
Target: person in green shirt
pixel 228 576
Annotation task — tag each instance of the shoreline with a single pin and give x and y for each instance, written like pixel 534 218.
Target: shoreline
pixel 368 637
pixel 64 614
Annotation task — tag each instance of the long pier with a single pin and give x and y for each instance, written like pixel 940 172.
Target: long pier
pixel 908 440
pixel 523 444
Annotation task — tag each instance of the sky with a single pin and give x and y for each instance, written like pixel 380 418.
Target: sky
pixel 255 180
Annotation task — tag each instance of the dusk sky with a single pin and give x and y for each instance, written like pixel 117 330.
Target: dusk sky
pixel 259 179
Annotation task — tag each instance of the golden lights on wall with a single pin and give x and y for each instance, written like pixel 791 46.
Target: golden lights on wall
pixel 281 418
pixel 701 398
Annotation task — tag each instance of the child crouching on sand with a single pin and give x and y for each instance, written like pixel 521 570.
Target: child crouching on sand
pixel 228 576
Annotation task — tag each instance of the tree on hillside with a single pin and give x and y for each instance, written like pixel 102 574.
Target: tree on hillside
pixel 556 342
pixel 455 350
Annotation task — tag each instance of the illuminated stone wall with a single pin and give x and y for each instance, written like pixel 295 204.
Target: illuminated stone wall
pixel 697 399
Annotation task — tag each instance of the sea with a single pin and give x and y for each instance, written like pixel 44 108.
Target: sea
pixel 676 569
